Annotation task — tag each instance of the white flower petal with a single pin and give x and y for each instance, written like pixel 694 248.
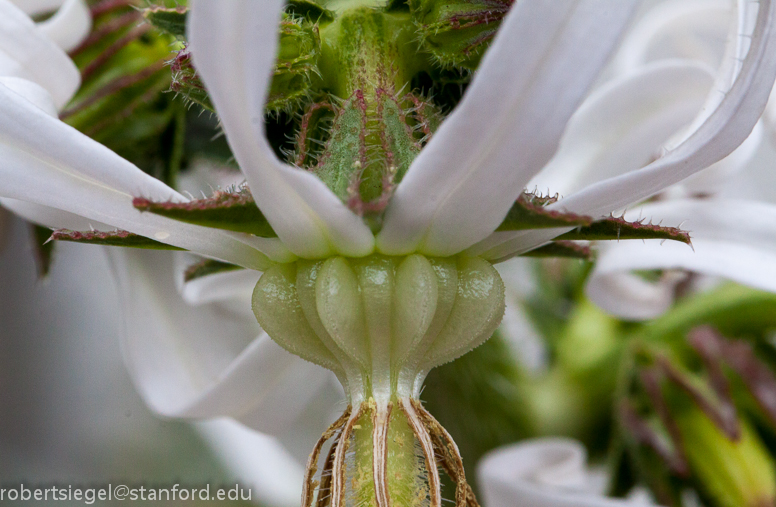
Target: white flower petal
pixel 26 52
pixel 33 92
pixel 732 239
pixel 628 295
pixel 52 217
pixel 718 177
pixel 205 361
pixel 70 25
pixel 49 163
pixel 689 29
pixel 539 67
pixel 542 472
pixel 234 46
pixel 623 125
pixel 255 461
pixel 221 287
pixel 723 131
pixel 36 7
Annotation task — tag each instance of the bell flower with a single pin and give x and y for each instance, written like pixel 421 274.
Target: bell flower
pixel 329 275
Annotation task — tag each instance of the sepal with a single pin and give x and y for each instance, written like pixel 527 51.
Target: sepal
pixel 231 211
pixel 207 267
pixel 171 20
pixel 309 9
pixel 43 249
pixel 617 228
pixel 567 249
pixel 529 212
pixel 458 33
pixel 112 238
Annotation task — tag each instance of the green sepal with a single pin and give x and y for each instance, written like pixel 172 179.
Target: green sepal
pixel 297 64
pixel 113 238
pixel 169 20
pixel 229 211
pixel 186 81
pixel 613 228
pixel 208 267
pixel 344 158
pixel 567 249
pixel 528 212
pixel 43 249
pixel 457 33
pixel 308 9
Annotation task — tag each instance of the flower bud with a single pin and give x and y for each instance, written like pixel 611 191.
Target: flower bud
pixel 458 33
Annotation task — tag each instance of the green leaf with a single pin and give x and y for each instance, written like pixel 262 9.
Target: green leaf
pixel 207 267
pixel 113 238
pixel 567 249
pixel 528 212
pixel 612 228
pixel 231 211
pixel 169 20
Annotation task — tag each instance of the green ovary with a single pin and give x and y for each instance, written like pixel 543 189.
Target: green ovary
pixel 380 323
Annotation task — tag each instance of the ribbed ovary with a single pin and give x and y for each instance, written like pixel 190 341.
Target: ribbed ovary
pixel 380 323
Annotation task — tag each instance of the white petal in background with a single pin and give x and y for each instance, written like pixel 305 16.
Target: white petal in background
pixel 546 472
pixel 688 29
pixel 725 127
pixel 70 413
pixel 624 124
pixel 734 240
pixel 208 361
pixel 539 67
pixel 27 52
pixel 69 24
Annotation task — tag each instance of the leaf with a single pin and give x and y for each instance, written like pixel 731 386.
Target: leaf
pixel 231 211
pixel 169 20
pixel 567 249
pixel 114 238
pixel 618 228
pixel 207 267
pixel 528 212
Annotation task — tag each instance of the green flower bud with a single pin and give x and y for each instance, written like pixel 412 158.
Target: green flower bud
pixel 457 33
pixel 731 473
